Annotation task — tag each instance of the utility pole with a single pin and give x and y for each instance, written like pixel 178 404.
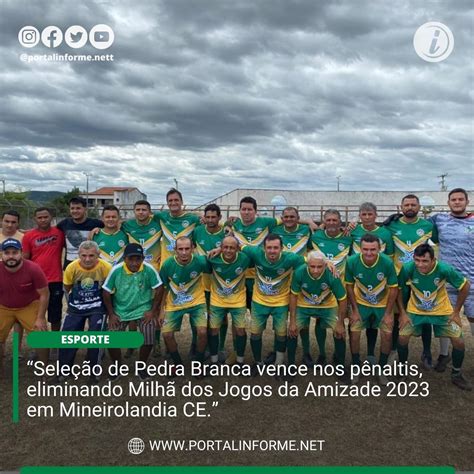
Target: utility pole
pixel 338 182
pixel 87 175
pixel 3 181
pixel 175 183
pixel 442 182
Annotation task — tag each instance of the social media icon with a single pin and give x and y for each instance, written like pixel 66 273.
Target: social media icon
pixel 51 36
pixel 75 36
pixel 28 36
pixel 101 36
pixel 433 42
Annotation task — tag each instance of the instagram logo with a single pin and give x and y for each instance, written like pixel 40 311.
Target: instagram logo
pixel 28 36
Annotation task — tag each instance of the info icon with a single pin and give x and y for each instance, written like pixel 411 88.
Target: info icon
pixel 29 36
pixel 433 42
pixel 101 36
pixel 136 446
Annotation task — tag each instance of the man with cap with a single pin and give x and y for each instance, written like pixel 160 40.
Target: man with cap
pixel 133 292
pixel 24 294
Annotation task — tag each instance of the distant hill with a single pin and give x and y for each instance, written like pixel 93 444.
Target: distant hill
pixel 43 196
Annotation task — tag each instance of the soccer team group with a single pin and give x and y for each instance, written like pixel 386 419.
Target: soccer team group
pixel 149 272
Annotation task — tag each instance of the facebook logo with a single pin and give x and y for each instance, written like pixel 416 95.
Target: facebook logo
pixel 52 37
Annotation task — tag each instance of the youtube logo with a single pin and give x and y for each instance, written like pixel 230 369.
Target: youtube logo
pixel 101 36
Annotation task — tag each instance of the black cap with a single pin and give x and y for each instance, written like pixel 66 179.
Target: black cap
pixel 133 249
pixel 16 244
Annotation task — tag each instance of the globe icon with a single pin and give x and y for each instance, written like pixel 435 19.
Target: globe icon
pixel 136 446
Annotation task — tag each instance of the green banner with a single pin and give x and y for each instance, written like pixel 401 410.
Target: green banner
pixel 90 339
pixel 238 470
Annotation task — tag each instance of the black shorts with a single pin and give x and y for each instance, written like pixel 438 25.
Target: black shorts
pixel 55 306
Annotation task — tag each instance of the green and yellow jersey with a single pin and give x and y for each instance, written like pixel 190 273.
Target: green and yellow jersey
pixel 407 236
pixel 371 283
pixel 228 281
pixel 174 227
pixel 322 292
pixel 428 295
pixel 272 280
pixel 184 282
pixel 111 246
pixel 295 241
pixel 335 248
pixel 148 235
pixel 384 235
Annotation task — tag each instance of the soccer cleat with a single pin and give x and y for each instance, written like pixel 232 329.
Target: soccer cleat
pixel 270 359
pixel 427 361
pixel 222 356
pixel 461 382
pixel 129 353
pixel 308 360
pixel 442 363
pixel 371 360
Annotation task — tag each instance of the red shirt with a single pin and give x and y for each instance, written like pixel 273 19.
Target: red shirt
pixel 18 289
pixel 45 248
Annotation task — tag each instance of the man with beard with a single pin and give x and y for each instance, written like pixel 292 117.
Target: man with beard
pixel 456 241
pixel 24 294
pixel 408 232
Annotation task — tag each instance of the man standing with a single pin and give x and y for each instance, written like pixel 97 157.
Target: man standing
pixel 408 232
pixel 44 246
pixel 428 303
pixel 372 287
pixel 132 293
pixel 10 226
pixel 456 243
pixel 316 293
pixel 76 228
pixel 23 294
pixel 83 279
pixel 111 239
pixel 295 236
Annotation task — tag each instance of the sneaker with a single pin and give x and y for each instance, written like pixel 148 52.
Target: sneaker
pixel 382 380
pixel 371 360
pixel 427 361
pixel 321 360
pixel 461 382
pixel 270 359
pixel 129 353
pixel 232 358
pixel 221 357
pixel 442 363
pixel 157 350
pixel 308 360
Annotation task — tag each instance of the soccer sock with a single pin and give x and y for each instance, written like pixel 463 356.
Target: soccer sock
pixel 199 356
pixel 304 334
pixel 371 334
pixel 275 343
pixel 444 346
pixel 321 338
pixel 280 344
pixel 292 343
pixel 402 353
pixel 194 335
pixel 383 359
pixel 213 343
pixel 240 342
pixel 176 358
pixel 223 334
pixel 426 339
pixel 395 333
pixel 356 359
pixel 256 346
pixel 340 348
pixel 458 357
pixel 157 336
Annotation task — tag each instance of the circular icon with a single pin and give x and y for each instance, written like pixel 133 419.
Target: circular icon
pixel 433 42
pixel 136 446
pixel 101 36
pixel 28 36
pixel 75 36
pixel 51 36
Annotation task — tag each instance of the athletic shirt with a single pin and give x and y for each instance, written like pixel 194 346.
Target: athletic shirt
pixel 272 280
pixel 86 292
pixel 335 248
pixel 407 236
pixel 184 282
pixel 75 234
pixel 45 249
pixel 228 281
pixel 322 292
pixel 148 236
pixel 295 241
pixel 18 289
pixel 205 242
pixel 174 227
pixel 371 284
pixel 456 242
pixel 428 296
pixel 384 235
pixel 111 246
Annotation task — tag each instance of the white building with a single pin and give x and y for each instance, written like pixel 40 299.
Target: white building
pixel 122 197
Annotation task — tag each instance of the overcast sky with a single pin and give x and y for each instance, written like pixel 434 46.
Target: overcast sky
pixel 222 94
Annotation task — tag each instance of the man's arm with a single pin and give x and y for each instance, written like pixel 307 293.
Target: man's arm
pixel 341 314
pixel 355 316
pixel 40 323
pixel 154 312
pixel 161 317
pixel 463 293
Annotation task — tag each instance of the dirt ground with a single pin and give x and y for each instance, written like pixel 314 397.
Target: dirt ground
pixel 431 431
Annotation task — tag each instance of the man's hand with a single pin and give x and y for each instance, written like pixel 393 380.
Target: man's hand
pixel 455 318
pixel 40 324
pixel 292 330
pixel 312 225
pixel 114 321
pixel 354 317
pixel 388 320
pixel 350 227
pixel 148 316
pixel 340 329
pixel 332 268
pixel 93 232
pixel 214 252
pixel 403 320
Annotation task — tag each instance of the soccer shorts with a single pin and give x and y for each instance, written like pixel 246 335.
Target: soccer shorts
pixel 260 314
pixel 173 319
pixel 370 318
pixel 218 314
pixel 441 326
pixel 326 316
